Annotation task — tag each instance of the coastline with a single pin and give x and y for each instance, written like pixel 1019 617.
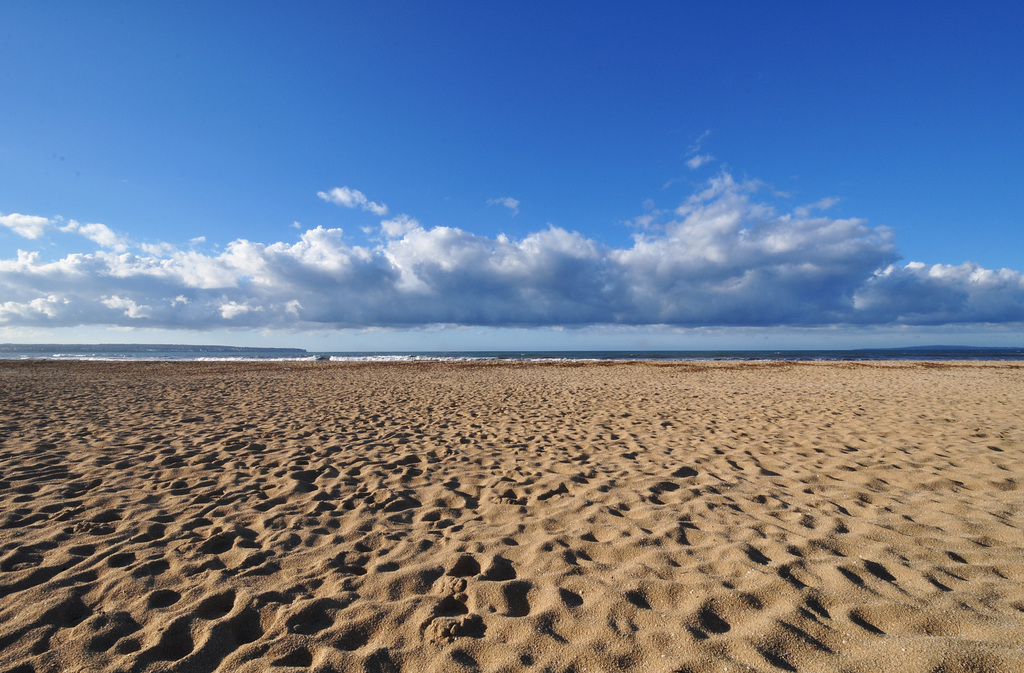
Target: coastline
pixel 505 516
pixel 212 353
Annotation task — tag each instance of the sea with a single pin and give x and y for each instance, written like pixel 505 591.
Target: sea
pixel 193 353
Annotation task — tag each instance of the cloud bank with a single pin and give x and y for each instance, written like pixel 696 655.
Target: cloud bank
pixel 722 258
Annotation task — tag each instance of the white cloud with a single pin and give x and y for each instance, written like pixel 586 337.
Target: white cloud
pixel 821 204
pixel 695 146
pixel 695 162
pixel 156 248
pixel 398 226
pixel 647 221
pixel 697 159
pixel 918 293
pixel 507 202
pixel 47 305
pixel 729 260
pixel 232 309
pixel 100 234
pixel 34 308
pixel 29 226
pixel 130 308
pixel 722 258
pixel 353 198
pixel 29 264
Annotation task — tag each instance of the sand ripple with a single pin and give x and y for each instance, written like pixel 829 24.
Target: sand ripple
pixel 478 517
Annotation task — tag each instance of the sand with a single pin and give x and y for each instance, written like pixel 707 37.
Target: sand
pixel 504 517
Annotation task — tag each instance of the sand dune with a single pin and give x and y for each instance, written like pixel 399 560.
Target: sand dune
pixel 503 517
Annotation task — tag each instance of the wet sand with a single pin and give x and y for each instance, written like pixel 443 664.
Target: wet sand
pixel 511 517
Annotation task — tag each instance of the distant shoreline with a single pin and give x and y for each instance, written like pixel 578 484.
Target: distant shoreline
pixel 199 353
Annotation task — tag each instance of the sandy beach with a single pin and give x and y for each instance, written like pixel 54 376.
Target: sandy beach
pixel 511 517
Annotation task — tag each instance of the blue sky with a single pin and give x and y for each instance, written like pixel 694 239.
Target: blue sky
pixel 347 176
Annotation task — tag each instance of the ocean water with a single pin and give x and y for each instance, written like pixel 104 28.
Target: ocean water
pixel 190 353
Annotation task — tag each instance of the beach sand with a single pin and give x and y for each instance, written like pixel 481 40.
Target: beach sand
pixel 511 517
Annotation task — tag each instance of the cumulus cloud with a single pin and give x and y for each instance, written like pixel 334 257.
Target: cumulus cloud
pixel 130 308
pixel 230 310
pixel 33 308
pixel 34 227
pixel 507 202
pixel 100 234
pixel 353 198
pixel 935 294
pixel 723 257
pixel 29 226
pixel 398 226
